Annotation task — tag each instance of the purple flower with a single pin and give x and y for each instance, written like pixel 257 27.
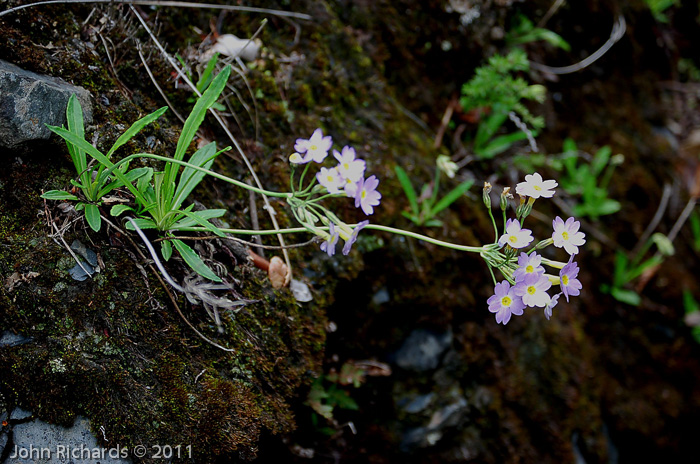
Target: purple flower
pixel 528 264
pixel 570 285
pixel 515 236
pixel 552 303
pixel 533 290
pixel 315 148
pixel 504 303
pixel 353 237
pixel 366 195
pixel 567 235
pixel 329 245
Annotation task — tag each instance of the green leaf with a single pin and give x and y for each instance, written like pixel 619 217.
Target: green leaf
pixel 600 160
pixel 166 249
pixel 92 215
pixel 200 217
pixel 117 210
pixel 74 116
pixel 639 270
pixel 194 261
pixel 142 223
pixel 452 196
pixel 626 296
pixel 608 206
pixel 620 272
pixel 499 145
pixel 205 80
pixel 95 153
pixel 204 157
pixel 58 195
pixel 131 176
pixel 135 129
pixel 194 120
pixel 408 189
pixel 488 126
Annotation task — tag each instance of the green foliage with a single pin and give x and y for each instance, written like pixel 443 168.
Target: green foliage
pixel 626 270
pixel 158 195
pixel 658 8
pixel 328 392
pixel 695 230
pixel 524 31
pixel 426 207
pixel 590 180
pixel 497 91
pixel 95 182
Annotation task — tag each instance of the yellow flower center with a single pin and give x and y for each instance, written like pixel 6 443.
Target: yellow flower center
pixel 537 187
pixel 363 194
pixel 529 269
pixel 512 239
pixel 329 178
pixel 565 279
pixel 531 290
pixel 346 165
pixel 565 235
pixel 313 147
pixel 506 301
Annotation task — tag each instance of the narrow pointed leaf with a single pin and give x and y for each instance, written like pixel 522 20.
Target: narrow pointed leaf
pixel 200 217
pixel 194 261
pixel 408 189
pixel 452 196
pixel 194 120
pixel 204 157
pixel 135 129
pixel 95 153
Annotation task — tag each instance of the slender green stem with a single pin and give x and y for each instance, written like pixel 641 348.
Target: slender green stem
pixel 391 230
pixel 493 276
pixel 206 171
pixel 303 174
pixel 495 227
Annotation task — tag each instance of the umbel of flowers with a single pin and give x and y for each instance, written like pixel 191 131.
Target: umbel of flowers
pixel 527 283
pixel 345 179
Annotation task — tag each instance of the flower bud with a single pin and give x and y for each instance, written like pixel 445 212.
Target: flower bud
pixel 505 196
pixel 487 194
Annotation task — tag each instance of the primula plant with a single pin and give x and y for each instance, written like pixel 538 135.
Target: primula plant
pixel 527 284
pixel 159 196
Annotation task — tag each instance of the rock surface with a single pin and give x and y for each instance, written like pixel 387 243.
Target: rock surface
pixel 29 101
pixel 40 442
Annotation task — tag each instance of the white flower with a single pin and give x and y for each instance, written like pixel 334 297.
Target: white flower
pixel 350 188
pixel 446 165
pixel 535 187
pixel 567 235
pixel 330 179
pixel 533 290
pixel 515 236
pixel 316 148
pixel 349 167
